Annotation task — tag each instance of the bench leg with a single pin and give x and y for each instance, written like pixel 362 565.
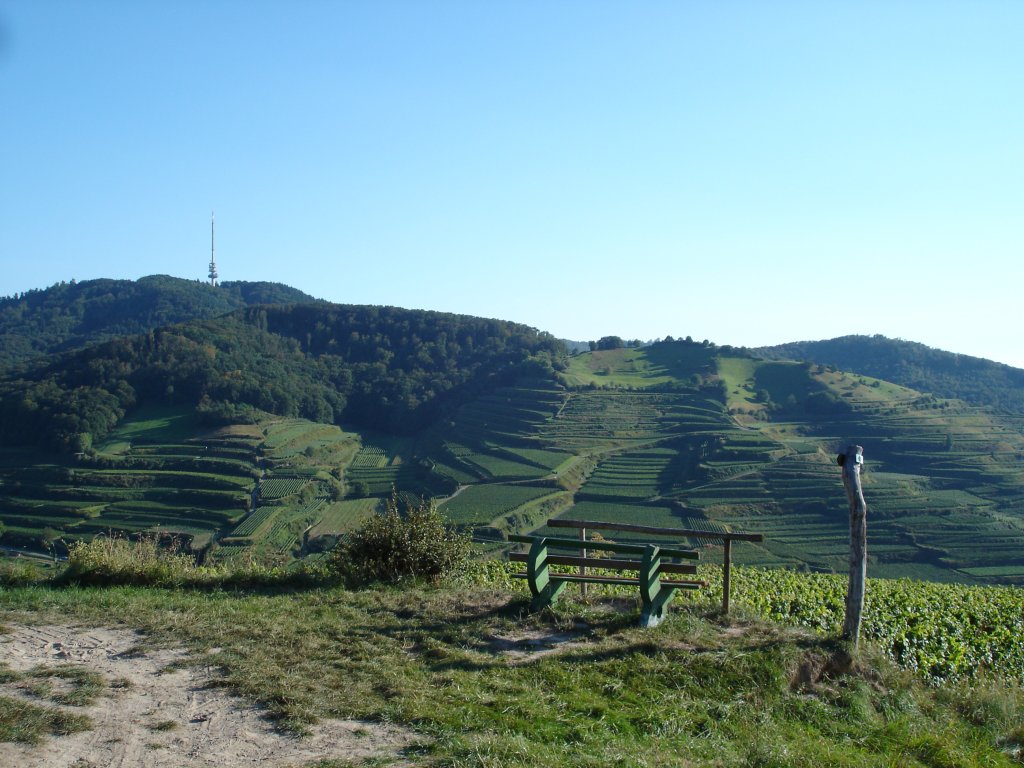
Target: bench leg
pixel 538 576
pixel 652 615
pixel 653 596
pixel 547 596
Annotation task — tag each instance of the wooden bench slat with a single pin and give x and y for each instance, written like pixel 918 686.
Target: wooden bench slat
pixel 619 580
pixel 612 580
pixel 656 530
pixel 603 562
pixel 607 546
pixel 674 583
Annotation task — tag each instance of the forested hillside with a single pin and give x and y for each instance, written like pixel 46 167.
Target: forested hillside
pixel 971 379
pixel 378 367
pixel 71 315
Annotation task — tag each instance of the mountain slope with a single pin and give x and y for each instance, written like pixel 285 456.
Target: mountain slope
pixel 946 374
pixel 944 481
pixel 68 316
pixel 379 367
pixel 678 433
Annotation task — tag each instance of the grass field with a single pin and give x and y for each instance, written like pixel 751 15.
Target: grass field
pixel 641 368
pixel 474 679
pixel 156 424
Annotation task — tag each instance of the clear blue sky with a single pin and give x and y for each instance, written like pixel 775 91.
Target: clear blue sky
pixel 748 172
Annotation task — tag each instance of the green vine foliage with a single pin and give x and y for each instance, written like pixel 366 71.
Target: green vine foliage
pixel 940 631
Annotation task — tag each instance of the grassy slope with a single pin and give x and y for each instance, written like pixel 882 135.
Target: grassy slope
pixel 462 667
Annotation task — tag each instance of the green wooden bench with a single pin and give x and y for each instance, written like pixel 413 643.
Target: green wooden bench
pixel 650 561
pixel 726 537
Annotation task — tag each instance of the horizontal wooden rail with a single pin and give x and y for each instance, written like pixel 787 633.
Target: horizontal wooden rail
pixel 618 581
pixel 726 537
pixel 603 562
pixel 608 546
pixel 656 531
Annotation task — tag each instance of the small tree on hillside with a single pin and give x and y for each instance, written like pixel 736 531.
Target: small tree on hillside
pixel 409 540
pixel 610 342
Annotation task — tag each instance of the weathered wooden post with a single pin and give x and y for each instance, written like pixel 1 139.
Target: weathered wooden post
pixel 583 568
pixel 851 462
pixel 726 575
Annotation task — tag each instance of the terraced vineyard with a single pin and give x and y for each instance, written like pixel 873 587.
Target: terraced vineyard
pixel 194 488
pixel 344 515
pixel 382 471
pixel 639 474
pixel 481 504
pixel 676 434
pixel 279 487
pixel 496 437
pixel 944 481
pixel 944 497
pixel 606 418
pixel 256 523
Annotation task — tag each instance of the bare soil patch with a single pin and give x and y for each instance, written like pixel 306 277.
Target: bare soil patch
pixel 157 709
pixel 528 645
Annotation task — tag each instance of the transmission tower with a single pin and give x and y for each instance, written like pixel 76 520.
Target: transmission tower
pixel 213 261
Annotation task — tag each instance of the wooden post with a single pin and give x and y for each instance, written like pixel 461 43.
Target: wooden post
pixel 851 462
pixel 583 568
pixel 726 571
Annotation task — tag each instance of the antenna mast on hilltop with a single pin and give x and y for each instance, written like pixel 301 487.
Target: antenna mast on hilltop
pixel 213 261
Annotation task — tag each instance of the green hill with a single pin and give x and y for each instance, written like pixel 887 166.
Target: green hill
pixel 378 367
pixel 504 430
pixel 944 483
pixel 72 315
pixel 945 374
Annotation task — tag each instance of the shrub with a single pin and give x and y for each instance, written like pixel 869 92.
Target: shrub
pixel 408 540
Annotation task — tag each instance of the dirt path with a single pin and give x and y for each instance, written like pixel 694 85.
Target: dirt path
pixel 158 710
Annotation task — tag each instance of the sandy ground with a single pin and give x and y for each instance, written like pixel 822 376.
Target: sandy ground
pixel 165 715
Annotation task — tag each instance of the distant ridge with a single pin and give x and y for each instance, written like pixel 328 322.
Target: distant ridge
pixel 911 364
pixel 71 315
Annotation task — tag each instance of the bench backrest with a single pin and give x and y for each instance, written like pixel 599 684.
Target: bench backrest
pixel 607 546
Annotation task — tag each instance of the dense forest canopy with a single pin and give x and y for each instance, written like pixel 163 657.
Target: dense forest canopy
pixel 70 315
pixel 376 367
pixel 910 364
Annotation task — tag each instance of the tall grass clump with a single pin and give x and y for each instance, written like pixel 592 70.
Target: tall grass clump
pixel 408 540
pixel 109 560
pixel 18 572
pixel 114 560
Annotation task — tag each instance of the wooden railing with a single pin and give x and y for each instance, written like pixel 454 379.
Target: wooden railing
pixel 727 538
